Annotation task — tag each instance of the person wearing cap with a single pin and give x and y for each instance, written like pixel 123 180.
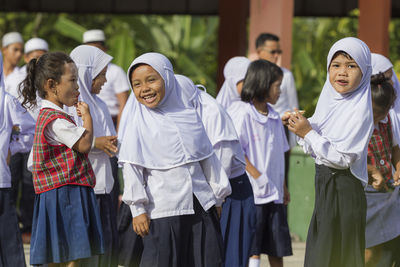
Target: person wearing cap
pixel 21 178
pixel 34 48
pixel 114 93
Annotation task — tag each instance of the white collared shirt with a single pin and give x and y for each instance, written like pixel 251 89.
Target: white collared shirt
pixel 164 193
pixel 264 143
pixel 14 114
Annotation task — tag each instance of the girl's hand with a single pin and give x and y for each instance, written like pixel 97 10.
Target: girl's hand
pixel 285 118
pixel 299 125
pixel 219 210
pixel 377 181
pixel 107 143
pixel 141 224
pixel 396 178
pixel 82 109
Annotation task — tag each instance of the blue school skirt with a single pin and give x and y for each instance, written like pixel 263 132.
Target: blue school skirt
pixel 11 249
pixel 66 225
pixel 238 222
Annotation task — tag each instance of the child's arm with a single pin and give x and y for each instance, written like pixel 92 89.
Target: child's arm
pixel 375 178
pixel 84 143
pixel 251 169
pixel 108 144
pixel 396 164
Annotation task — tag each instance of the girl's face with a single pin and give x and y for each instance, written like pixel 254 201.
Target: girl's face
pixel 66 91
pixel 344 74
pixel 99 81
pixel 148 86
pixel 239 87
pixel 274 91
pixel 379 113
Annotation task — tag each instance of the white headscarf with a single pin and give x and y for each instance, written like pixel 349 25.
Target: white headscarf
pixel 346 119
pixel 216 121
pixel 234 71
pixel 381 64
pixel 2 95
pixel 90 61
pixel 164 137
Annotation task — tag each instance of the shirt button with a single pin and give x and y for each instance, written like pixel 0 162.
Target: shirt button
pixel 382 162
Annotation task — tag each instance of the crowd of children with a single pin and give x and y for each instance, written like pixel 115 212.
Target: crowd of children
pixel 204 178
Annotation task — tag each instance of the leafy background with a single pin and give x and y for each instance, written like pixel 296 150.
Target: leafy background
pixel 191 42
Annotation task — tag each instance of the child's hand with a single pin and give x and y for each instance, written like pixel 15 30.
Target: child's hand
pixel 396 178
pixel 107 143
pixel 285 118
pixel 219 210
pixel 82 109
pixel 141 224
pixel 377 181
pixel 299 125
pixel 8 157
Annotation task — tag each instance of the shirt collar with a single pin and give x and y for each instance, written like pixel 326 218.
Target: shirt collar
pixel 49 104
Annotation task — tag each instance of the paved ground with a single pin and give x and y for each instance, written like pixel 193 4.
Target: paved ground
pixel 293 261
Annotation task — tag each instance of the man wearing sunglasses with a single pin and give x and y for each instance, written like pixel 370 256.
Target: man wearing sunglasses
pixel 268 48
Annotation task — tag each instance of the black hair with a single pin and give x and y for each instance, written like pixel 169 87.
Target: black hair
pixel 341 52
pixel 48 66
pixel 260 41
pixel 260 75
pixel 383 94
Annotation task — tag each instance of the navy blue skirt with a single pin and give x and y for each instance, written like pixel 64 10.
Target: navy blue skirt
pixel 11 249
pixel 272 234
pixel 238 222
pixel 66 225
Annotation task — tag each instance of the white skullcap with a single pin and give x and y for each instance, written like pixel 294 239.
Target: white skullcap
pixel 93 36
pixel 36 44
pixel 11 38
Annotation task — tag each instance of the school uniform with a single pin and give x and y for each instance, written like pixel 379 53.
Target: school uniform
pixel 234 71
pixel 264 143
pixel 11 248
pixel 382 207
pixel 90 62
pixel 238 211
pixel 342 125
pixel 64 192
pixel 171 142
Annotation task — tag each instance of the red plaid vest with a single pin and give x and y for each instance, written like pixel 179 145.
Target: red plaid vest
pixel 57 165
pixel 380 149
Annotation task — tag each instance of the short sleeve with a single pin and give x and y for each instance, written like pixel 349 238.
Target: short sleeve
pixel 61 131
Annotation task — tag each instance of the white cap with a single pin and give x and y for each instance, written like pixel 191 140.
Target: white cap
pixel 36 44
pixel 11 38
pixel 93 36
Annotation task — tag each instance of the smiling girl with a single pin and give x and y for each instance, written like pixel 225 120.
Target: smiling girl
pixel 337 137
pixel 66 222
pixel 173 180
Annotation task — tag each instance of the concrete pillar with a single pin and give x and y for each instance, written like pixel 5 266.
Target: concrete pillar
pixel 232 33
pixel 272 16
pixel 373 26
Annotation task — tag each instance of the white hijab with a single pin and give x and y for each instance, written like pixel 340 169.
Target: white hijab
pixel 2 95
pixel 381 64
pixel 164 137
pixel 90 61
pixel 234 71
pixel 216 121
pixel 346 119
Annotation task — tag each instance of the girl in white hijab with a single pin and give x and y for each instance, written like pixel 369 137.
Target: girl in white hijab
pixel 382 64
pixel 92 66
pixel 337 137
pixel 238 212
pixel 172 177
pixel 234 72
pixel 11 113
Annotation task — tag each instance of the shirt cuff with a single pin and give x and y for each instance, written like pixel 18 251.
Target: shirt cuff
pixel 137 210
pixel 311 136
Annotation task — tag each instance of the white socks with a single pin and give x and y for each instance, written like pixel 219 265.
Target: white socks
pixel 254 262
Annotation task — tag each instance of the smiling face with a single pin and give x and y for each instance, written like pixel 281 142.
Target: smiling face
pixel 99 81
pixel 148 86
pixel 344 74
pixel 66 91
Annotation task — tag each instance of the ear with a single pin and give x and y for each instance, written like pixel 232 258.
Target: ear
pixel 50 86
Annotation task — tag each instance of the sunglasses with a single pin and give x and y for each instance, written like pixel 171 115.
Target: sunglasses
pixel 273 52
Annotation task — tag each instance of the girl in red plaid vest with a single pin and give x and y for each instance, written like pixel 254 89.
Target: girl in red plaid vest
pixel 66 222
pixel 382 193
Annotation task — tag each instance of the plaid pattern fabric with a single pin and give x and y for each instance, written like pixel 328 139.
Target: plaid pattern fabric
pixel 57 165
pixel 380 149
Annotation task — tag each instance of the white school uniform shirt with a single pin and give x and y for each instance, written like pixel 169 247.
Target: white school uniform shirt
pixel 287 99
pixel 116 83
pixel 264 143
pixel 59 131
pixel 14 114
